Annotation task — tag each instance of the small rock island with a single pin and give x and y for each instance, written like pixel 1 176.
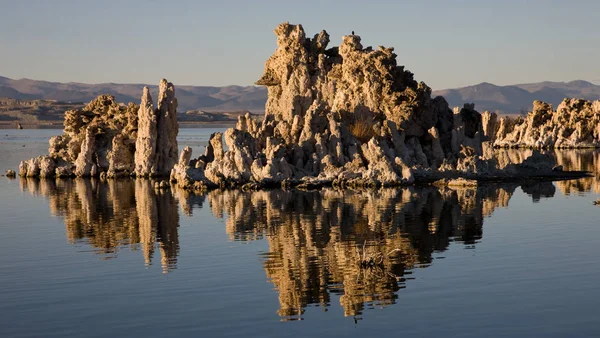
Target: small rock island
pixel 346 116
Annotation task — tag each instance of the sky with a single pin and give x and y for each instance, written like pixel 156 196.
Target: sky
pixel 446 44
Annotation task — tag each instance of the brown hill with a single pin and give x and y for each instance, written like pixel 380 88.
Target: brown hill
pixel 518 98
pixel 512 99
pixel 213 99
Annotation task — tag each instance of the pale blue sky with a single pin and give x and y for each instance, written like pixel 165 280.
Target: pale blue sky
pixel 445 43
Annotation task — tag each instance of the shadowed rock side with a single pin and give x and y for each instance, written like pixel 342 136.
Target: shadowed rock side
pixel 574 124
pixel 109 139
pixel 346 115
pixel 321 242
pixel 110 215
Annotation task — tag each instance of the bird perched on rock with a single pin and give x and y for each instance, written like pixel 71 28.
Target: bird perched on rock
pixel 352 32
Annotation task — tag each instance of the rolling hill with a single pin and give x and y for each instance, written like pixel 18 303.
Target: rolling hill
pixel 213 99
pixel 511 99
pixel 515 99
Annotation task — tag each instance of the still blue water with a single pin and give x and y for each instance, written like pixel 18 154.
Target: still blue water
pixel 93 259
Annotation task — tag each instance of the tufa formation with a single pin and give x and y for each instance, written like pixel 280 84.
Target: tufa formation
pixel 347 116
pixel 108 139
pixel 574 124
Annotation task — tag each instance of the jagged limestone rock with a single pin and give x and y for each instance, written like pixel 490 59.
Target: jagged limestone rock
pixel 47 167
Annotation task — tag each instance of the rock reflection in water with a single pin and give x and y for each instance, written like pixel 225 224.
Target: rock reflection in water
pixel 109 215
pixel 588 160
pixel 316 238
pixel 570 160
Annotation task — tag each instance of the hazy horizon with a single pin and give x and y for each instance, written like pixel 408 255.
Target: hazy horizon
pixel 446 45
pixel 595 82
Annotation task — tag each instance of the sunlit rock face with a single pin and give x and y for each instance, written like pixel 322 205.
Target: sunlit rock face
pixel 344 116
pixel 317 240
pixel 156 145
pixel 574 124
pixel 167 128
pixel 110 139
pixel 145 146
pixel 109 215
pixel 100 137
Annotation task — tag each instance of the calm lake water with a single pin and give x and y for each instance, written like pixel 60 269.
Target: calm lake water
pixel 86 258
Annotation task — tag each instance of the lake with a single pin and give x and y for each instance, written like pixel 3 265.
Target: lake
pixel 88 258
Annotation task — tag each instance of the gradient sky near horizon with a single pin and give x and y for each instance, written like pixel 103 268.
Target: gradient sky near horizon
pixel 447 44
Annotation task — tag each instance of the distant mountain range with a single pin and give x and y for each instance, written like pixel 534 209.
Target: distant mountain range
pixel 515 99
pixel 511 99
pixel 213 99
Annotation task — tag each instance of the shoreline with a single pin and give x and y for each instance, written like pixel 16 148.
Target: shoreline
pixel 315 184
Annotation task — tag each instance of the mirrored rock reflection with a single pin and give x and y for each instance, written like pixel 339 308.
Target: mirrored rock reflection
pixel 360 246
pixel 328 248
pixel 114 214
pixel 570 160
pixel 580 159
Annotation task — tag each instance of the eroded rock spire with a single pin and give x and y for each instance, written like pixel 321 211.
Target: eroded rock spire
pixel 145 145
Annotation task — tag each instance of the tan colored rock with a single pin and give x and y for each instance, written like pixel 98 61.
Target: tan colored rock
pixel 47 167
pixel 167 129
pixel 348 114
pixel 102 134
pixel 121 157
pixel 490 125
pixel 214 150
pixel 184 173
pixel 23 168
pixel 104 138
pixel 574 124
pixel 83 164
pixel 145 145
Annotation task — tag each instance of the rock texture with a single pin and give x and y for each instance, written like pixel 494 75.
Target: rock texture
pixel 574 124
pixel 166 129
pixel 347 116
pixel 109 139
pixel 145 145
